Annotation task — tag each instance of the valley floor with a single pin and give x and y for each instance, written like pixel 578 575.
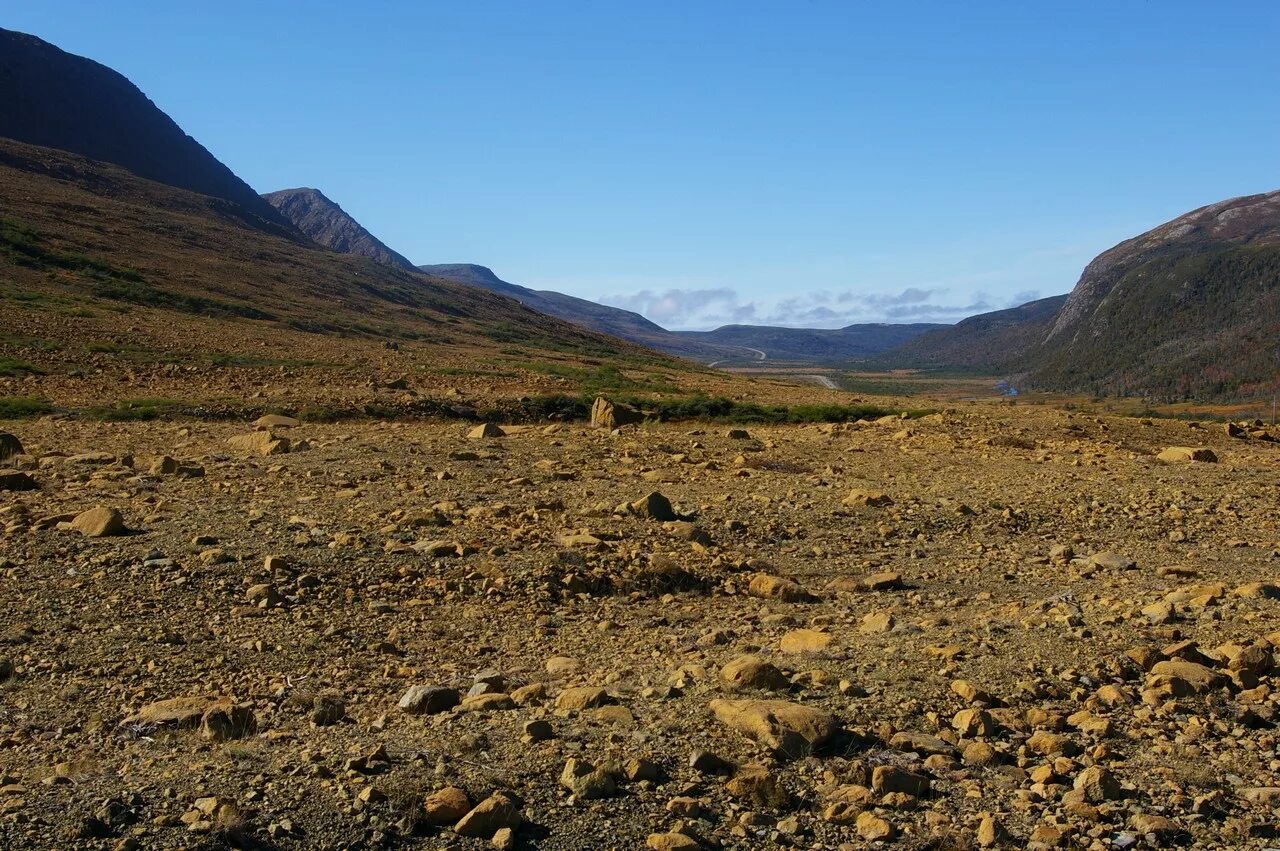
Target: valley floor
pixel 992 626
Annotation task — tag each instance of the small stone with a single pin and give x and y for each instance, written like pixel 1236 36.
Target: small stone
pixel 538 730
pixel 805 641
pixel 446 806
pixel 753 672
pixel 872 828
pixel 487 430
pixel 583 697
pixel 1187 454
pixel 655 506
pixel 671 842
pixel 767 587
pixel 586 781
pixel 99 522
pixel 891 778
pixel 428 700
pixel 1098 784
pixel 876 623
pixel 488 817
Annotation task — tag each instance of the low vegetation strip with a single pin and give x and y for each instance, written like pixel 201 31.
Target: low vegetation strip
pixel 526 410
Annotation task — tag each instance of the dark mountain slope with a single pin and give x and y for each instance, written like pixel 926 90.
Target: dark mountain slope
pixel 1190 308
pixel 329 225
pixel 51 98
pixel 73 228
pixel 997 342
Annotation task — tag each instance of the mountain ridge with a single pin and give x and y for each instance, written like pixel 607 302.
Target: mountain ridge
pixel 327 224
pixel 55 99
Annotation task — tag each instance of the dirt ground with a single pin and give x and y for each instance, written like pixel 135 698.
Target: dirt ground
pixel 989 627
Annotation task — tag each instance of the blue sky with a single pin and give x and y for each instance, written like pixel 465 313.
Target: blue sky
pixel 802 163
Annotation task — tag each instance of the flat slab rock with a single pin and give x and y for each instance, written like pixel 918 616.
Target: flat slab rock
pixel 790 730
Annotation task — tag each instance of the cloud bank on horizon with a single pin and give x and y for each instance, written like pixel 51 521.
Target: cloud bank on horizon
pixel 700 309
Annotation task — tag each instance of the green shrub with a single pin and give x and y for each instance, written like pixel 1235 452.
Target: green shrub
pixel 23 407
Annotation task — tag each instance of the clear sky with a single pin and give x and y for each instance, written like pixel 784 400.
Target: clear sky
pixel 819 162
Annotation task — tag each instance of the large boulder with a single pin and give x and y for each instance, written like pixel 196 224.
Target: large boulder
pixel 611 415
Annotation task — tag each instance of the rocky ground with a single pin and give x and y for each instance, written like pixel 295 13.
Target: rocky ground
pixel 989 627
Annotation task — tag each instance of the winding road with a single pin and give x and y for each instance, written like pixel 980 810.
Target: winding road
pixel 759 355
pixel 821 380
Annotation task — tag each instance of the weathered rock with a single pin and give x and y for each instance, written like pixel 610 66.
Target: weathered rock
pixel 791 730
pixel 671 842
pixel 259 443
pixel 753 672
pixel 583 697
pixel 1186 454
pixel 15 480
pixel 768 587
pixel 655 506
pixel 868 499
pixel 487 430
pixel 586 781
pixel 445 806
pixel 10 446
pixel 100 522
pixel 757 786
pixel 1098 784
pixel 611 415
pixel 428 700
pixel 805 641
pixel 488 817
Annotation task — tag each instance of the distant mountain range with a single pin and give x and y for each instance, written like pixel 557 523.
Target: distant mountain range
pixel 738 344
pixel 1188 309
pixel 323 221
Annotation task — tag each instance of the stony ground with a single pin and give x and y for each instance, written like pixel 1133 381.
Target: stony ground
pixel 990 627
